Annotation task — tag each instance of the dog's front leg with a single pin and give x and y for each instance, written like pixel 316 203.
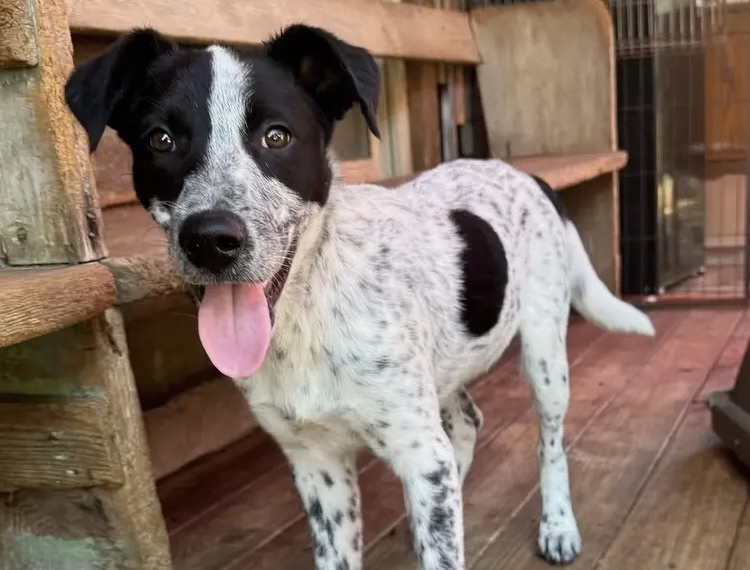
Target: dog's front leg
pixel 414 443
pixel 327 484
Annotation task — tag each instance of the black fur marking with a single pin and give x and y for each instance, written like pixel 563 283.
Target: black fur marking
pixel 553 197
pixel 326 478
pixel 485 272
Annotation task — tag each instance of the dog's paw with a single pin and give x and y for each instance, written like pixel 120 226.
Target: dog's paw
pixel 559 540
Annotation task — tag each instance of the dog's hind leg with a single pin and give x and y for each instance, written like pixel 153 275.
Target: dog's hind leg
pixel 545 367
pixel 462 420
pixel 327 484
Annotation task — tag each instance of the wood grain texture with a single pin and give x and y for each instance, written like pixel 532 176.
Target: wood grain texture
pixel 56 445
pixel 695 497
pixel 136 513
pixel 386 29
pixel 200 421
pixel 611 461
pixel 49 212
pixel 87 361
pixel 17 39
pixel 538 95
pixel 35 302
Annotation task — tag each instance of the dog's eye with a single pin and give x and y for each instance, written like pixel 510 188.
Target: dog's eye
pixel 161 141
pixel 276 138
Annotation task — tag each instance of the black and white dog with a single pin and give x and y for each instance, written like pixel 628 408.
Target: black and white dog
pixel 350 316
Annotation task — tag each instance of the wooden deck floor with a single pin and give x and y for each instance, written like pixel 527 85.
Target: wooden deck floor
pixel 651 486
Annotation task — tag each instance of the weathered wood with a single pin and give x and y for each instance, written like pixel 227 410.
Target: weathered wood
pixel 49 208
pixel 119 526
pixel 35 302
pixel 17 40
pixel 547 77
pixel 198 422
pixel 386 29
pixel 56 445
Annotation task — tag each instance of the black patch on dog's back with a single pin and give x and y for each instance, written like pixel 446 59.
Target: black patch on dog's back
pixel 485 272
pixel 553 197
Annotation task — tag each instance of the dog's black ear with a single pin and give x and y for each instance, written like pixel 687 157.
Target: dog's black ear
pixel 100 91
pixel 336 74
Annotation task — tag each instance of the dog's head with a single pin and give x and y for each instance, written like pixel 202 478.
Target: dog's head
pixel 230 151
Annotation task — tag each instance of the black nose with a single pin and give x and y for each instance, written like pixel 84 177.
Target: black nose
pixel 212 240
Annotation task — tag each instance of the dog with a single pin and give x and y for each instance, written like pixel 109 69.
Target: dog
pixel 350 316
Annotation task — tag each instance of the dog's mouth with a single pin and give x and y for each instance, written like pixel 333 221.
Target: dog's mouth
pixel 235 320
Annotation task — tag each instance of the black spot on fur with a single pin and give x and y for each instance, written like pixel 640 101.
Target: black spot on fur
pixel 553 197
pixel 326 478
pixel 316 510
pixel 485 272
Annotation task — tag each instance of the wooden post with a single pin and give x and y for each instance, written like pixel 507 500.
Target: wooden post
pixel 74 468
pixel 48 206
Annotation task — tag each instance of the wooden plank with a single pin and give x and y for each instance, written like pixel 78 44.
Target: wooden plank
pixel 616 454
pixel 695 497
pixel 424 114
pixel 564 171
pixel 505 472
pixel 204 548
pixel 740 558
pixel 205 419
pixel 532 80
pixel 49 213
pixel 115 526
pixel 386 29
pixel 36 302
pixel 17 40
pixel 56 445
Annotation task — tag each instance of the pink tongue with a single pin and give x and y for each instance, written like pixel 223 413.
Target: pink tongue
pixel 234 325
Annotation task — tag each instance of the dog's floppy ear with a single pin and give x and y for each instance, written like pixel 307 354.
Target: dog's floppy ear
pixel 336 74
pixel 100 91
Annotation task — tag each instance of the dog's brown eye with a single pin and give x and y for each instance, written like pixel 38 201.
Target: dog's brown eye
pixel 276 138
pixel 161 141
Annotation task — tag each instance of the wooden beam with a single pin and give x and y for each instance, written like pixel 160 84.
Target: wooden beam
pixel 386 29
pixel 56 445
pixel 35 302
pixel 49 211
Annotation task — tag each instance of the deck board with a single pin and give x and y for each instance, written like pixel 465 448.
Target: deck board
pixel 693 528
pixel 629 396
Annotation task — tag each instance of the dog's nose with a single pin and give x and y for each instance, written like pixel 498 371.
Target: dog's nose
pixel 212 240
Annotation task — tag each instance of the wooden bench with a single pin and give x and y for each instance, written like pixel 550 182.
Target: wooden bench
pixel 98 345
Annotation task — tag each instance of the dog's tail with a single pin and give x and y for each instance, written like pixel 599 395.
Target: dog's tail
pixel 593 300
